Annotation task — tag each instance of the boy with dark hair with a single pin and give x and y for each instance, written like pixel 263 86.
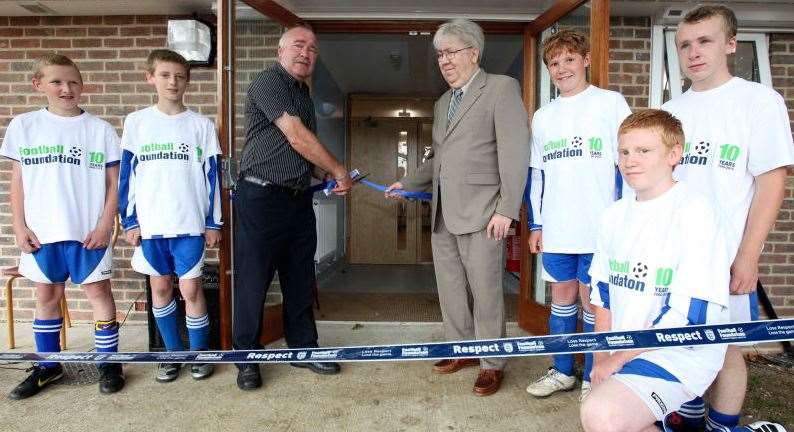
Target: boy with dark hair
pixel 170 203
pixel 65 163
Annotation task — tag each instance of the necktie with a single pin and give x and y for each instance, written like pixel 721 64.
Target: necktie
pixel 457 96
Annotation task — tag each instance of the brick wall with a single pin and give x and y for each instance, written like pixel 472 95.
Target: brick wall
pixel 111 53
pixel 777 269
pixel 630 59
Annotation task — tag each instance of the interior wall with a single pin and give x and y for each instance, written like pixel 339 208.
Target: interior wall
pixel 330 106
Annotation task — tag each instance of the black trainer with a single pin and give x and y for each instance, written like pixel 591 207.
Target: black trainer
pixel 248 377
pixel 39 378
pixel 111 378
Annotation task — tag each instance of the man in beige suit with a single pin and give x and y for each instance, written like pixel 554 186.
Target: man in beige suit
pixel 477 172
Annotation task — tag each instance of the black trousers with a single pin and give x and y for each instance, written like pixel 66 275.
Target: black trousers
pixel 275 230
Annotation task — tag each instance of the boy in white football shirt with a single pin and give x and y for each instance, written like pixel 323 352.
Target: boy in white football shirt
pixel 170 203
pixel 573 179
pixel 661 261
pixel 738 144
pixel 63 201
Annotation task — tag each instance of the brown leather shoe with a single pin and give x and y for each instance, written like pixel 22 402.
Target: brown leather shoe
pixel 451 366
pixel 488 382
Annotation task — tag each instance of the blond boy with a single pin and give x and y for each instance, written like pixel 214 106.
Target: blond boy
pixel 63 201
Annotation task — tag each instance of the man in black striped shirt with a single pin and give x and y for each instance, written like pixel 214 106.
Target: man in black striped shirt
pixel 274 218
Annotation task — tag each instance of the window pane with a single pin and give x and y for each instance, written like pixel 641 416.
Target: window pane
pixel 745 62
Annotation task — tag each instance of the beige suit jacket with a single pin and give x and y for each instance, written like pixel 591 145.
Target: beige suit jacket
pixel 480 157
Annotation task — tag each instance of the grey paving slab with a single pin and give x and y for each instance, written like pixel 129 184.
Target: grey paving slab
pixel 364 397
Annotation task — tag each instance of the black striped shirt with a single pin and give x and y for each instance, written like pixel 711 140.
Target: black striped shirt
pixel 267 154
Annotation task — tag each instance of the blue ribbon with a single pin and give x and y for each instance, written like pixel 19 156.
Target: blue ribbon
pixel 330 184
pixel 755 331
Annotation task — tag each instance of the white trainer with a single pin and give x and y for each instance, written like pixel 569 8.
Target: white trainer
pixel 765 426
pixel 585 390
pixel 550 383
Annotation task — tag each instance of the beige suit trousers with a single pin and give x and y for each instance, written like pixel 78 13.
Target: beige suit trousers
pixel 469 277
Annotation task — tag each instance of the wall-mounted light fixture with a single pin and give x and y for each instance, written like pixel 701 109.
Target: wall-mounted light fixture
pixel 193 39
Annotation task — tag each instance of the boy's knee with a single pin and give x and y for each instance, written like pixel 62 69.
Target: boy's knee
pixel 597 416
pixel 191 296
pixel 97 290
pixel 48 296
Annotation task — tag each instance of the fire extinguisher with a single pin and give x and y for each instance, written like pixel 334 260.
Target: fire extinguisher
pixel 513 252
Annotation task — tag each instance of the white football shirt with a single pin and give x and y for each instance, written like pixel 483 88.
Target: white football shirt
pixel 733 133
pixel 169 181
pixel 663 253
pixel 574 143
pixel 63 161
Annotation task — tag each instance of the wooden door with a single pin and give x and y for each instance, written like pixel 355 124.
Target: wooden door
pixel 382 231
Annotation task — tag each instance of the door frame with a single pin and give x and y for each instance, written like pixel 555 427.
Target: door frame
pixel 532 317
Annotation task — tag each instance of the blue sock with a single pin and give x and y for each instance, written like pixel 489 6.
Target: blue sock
pixel 166 323
pixel 198 330
pixel 693 413
pixel 719 422
pixel 563 320
pixel 48 337
pixel 106 336
pixel 588 326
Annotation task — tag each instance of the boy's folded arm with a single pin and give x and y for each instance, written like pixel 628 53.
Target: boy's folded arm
pixel 681 310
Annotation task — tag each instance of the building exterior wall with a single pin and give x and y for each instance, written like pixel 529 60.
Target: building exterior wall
pixel 777 263
pixel 111 53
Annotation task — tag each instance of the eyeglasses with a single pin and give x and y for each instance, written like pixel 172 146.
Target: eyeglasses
pixel 449 54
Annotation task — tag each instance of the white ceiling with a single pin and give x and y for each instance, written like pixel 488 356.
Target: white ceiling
pixel 396 64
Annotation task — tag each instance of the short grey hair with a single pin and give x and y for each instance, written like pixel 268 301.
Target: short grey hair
pixel 299 24
pixel 466 31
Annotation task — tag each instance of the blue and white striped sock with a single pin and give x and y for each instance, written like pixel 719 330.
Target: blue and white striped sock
pixel 166 323
pixel 106 336
pixel 47 335
pixel 198 330
pixel 719 422
pixel 562 321
pixel 693 413
pixel 588 325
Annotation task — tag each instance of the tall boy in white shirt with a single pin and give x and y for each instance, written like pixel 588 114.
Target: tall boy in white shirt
pixel 573 179
pixel 63 202
pixel 738 144
pixel 170 203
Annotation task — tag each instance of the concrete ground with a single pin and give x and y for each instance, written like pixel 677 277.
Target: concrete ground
pixel 384 396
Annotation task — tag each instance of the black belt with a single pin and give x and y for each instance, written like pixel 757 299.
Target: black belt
pixel 268 184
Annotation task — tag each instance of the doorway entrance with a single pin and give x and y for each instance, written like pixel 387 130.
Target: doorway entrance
pixel 391 83
pixel 388 148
